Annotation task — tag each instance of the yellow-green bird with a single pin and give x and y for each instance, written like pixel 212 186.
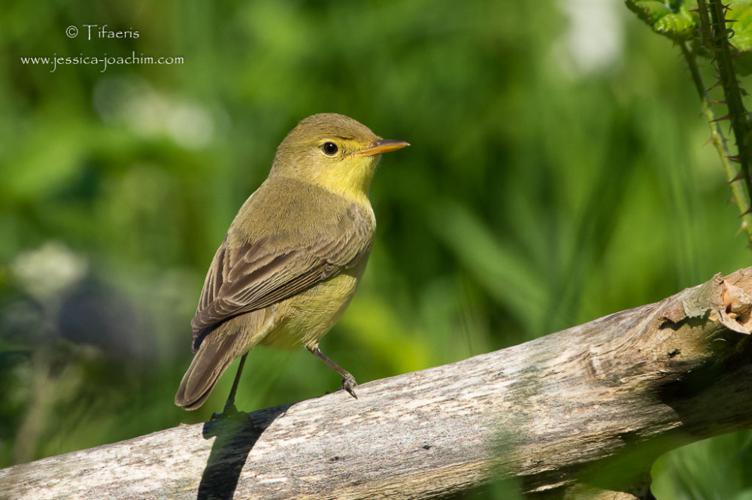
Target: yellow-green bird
pixel 293 256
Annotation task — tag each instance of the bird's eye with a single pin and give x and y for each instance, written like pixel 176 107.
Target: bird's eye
pixel 329 148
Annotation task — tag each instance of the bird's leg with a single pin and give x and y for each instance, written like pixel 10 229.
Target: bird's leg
pixel 348 381
pixel 230 404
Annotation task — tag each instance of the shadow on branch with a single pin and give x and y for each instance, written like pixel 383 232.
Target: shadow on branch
pixel 235 435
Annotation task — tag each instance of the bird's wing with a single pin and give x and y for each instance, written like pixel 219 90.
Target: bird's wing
pixel 260 272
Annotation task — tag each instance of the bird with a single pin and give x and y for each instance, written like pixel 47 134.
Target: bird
pixel 292 257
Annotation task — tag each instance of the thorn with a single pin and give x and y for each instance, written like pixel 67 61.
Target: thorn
pixel 721 118
pixel 717 102
pixel 738 177
pixel 716 84
pixel 735 159
pixel 746 212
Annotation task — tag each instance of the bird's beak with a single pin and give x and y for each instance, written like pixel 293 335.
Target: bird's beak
pixel 382 146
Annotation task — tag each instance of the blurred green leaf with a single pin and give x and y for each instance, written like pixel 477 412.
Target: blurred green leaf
pixel 740 12
pixel 506 274
pixel 741 40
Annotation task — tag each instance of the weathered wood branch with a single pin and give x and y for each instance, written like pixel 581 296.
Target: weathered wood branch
pixel 571 407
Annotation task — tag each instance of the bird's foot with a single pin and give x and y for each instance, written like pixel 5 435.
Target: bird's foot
pixel 349 383
pixel 229 420
pixel 229 411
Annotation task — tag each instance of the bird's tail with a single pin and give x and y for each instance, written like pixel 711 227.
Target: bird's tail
pixel 213 357
pixel 217 350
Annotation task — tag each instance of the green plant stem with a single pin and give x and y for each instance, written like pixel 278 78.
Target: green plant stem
pixel 739 190
pixel 736 111
pixel 705 33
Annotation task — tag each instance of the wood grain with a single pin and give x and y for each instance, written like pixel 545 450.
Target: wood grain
pixel 591 405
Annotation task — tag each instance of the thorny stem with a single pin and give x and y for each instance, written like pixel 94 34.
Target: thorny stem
pixel 715 37
pixel 739 190
pixel 731 90
pixel 706 36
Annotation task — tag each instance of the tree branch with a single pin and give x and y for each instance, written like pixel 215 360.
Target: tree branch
pixel 575 406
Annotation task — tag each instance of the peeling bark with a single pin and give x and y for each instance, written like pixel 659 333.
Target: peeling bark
pixel 591 405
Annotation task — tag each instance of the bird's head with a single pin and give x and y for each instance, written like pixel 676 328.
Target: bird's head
pixel 332 151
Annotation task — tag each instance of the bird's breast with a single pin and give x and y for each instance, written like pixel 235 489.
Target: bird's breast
pixel 305 318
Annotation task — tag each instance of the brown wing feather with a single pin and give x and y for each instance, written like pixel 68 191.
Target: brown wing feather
pixel 261 271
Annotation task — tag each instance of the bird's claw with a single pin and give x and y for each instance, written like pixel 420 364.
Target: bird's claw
pixel 229 411
pixel 349 383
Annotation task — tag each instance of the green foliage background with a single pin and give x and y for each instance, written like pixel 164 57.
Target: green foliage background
pixel 536 195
